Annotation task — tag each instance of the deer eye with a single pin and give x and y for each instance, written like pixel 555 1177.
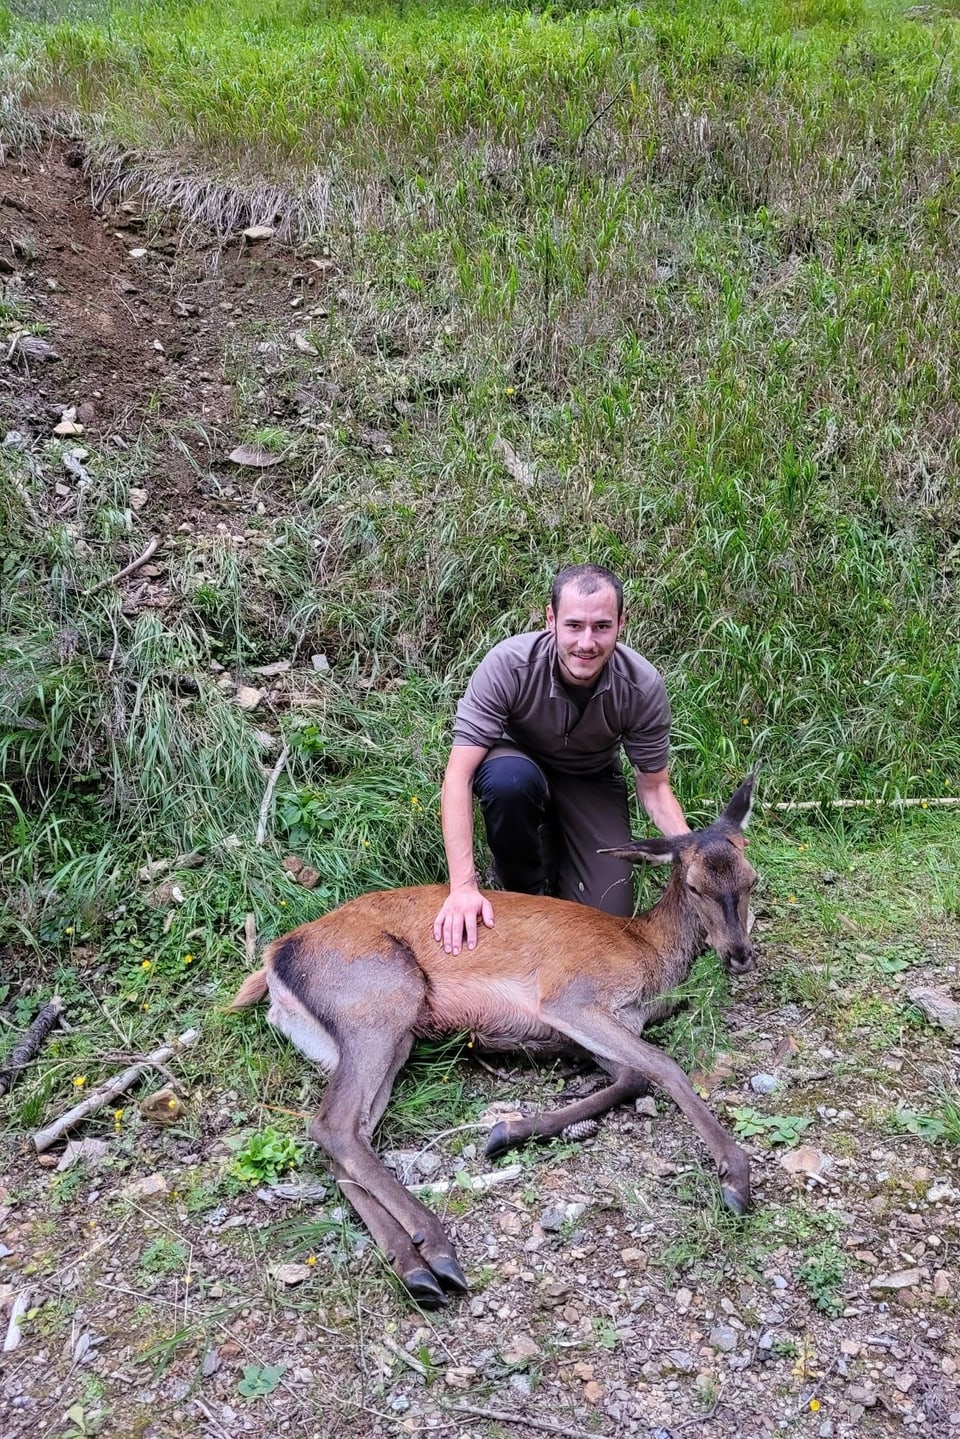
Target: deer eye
pixel 694 890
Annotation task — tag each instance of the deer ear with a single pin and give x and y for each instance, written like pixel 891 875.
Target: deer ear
pixel 654 851
pixel 739 809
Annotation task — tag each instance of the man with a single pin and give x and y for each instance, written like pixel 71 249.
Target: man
pixel 537 739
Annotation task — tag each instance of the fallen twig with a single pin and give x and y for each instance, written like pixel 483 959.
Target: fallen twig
pixel 268 794
pixel 943 802
pixel 506 1416
pixel 250 939
pixel 130 569
pixel 104 1093
pixel 28 1046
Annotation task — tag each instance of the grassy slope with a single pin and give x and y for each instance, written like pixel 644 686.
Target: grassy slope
pixel 696 264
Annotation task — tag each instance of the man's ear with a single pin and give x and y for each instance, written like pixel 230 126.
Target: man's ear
pixel 551 619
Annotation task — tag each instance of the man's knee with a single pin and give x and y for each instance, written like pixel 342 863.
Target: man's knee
pixel 511 779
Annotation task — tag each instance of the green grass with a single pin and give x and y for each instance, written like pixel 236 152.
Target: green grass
pixel 695 264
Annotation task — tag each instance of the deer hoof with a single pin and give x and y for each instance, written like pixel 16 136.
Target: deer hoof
pixel 448 1271
pixel 424 1289
pixel 736 1202
pixel 499 1141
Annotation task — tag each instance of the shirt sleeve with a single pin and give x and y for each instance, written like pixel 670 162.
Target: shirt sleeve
pixel 646 735
pixel 484 711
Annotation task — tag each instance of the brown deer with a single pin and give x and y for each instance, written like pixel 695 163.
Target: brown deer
pixel 354 989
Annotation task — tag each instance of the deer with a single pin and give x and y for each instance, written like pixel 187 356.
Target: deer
pixel 354 989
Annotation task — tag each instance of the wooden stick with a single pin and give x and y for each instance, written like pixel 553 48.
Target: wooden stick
pixel 505 1416
pixel 944 802
pixel 250 939
pixel 130 569
pixel 268 794
pixel 28 1045
pixel 104 1093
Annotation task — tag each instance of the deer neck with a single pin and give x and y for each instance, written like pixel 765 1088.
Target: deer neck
pixel 676 932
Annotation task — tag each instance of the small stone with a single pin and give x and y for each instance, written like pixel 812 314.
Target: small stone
pixel 647 1106
pixel 939 1007
pixel 941 1284
pixel 900 1279
pixel 683 1300
pixel 724 1338
pixel 138 253
pixel 521 1349
pixel 320 663
pixel 83 1151
pixel 138 498
pixel 259 232
pixel 552 1220
pixel 905 1382
pixel 146 1188
pixel 292 1274
pixel 938 1193
pixel 247 697
pixel 460 1376
pixel 763 1083
pixel 67 428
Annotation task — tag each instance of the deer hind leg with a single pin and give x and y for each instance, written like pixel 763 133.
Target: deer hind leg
pixel 603 1035
pixel 627 1084
pixel 410 1235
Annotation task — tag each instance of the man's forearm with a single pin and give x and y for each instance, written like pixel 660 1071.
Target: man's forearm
pixel 456 809
pixel 662 806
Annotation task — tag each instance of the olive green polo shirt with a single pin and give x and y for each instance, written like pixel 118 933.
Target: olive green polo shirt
pixel 515 697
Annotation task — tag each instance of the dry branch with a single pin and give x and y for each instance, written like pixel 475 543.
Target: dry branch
pixel 130 569
pixel 109 1090
pixel 28 1045
pixel 250 939
pixel 943 802
pixel 504 1416
pixel 18 1309
pixel 268 794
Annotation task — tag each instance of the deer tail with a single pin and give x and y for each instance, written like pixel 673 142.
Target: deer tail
pixel 251 991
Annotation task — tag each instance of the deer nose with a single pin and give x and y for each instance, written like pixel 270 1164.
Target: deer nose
pixel 741 960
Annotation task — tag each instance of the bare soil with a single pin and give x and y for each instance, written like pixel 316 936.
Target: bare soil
pixel 610 1296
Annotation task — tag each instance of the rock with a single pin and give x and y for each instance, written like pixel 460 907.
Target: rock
pixel 683 1300
pixel 67 428
pixel 939 1007
pixel 763 1083
pixel 905 1381
pixel 139 252
pixel 138 498
pixel 279 667
pixel 211 1363
pixel 459 1376
pixel 305 346
pixel 942 1192
pixel 254 457
pixel 723 1338
pixel 900 1279
pixel 647 1106
pixel 247 697
pixel 552 1220
pixel 291 1274
pixel 259 232
pixel 320 663
pixel 520 1350
pixel 91 1152
pixel 941 1284
pixel 810 1162
pixel 146 1188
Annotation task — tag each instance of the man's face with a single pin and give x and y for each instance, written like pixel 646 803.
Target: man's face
pixel 586 628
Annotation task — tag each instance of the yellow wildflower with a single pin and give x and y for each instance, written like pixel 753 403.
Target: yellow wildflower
pixel 79 1081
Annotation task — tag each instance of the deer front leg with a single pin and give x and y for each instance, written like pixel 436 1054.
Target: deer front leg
pixel 603 1035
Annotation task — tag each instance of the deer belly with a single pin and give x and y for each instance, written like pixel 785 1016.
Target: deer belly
pixel 501 1014
pixel 293 1019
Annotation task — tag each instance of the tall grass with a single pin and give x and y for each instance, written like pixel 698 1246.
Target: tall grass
pixel 695 263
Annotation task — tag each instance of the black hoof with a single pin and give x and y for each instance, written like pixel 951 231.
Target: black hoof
pixel 736 1202
pixel 448 1271
pixel 499 1142
pixel 424 1289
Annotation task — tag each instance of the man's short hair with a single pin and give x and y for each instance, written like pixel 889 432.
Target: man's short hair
pixel 586 580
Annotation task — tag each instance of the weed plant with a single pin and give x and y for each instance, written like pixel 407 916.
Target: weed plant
pixel 695 264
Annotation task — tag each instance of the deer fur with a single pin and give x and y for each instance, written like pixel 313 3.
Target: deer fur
pixel 354 989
